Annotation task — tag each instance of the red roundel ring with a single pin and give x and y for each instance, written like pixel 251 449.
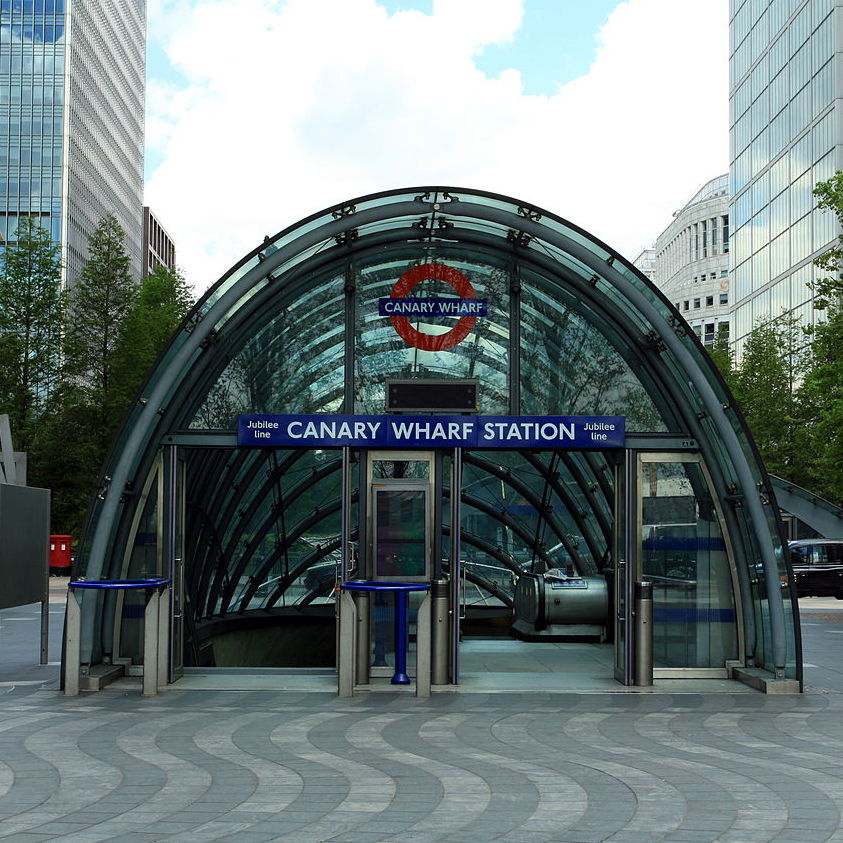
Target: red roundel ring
pixel 433 342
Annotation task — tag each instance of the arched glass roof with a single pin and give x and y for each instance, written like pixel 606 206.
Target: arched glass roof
pixel 572 329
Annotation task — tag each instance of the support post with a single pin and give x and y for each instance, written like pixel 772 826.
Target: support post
pixel 150 644
pixel 363 648
pixel 643 633
pixel 400 676
pixel 163 635
pixel 423 648
pixel 440 632
pixel 45 629
pixel 71 647
pixel 345 656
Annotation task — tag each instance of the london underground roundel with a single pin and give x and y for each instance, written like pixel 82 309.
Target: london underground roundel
pixel 467 307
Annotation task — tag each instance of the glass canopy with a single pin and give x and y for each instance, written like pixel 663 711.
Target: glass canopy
pixel 571 329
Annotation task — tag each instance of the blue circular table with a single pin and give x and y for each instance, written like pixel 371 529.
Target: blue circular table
pixel 402 591
pixel 148 582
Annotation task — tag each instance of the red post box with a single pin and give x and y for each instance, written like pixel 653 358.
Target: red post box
pixel 60 555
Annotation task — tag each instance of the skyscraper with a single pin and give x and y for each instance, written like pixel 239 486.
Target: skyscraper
pixel 785 137
pixel 71 119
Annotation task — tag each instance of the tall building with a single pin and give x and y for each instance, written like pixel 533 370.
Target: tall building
pixel 689 262
pixel 71 120
pixel 158 246
pixel 785 115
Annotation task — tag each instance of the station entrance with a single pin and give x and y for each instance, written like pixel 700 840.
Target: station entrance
pixel 539 578
pixel 276 453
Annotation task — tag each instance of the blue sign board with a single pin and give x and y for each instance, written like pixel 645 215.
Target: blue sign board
pixel 416 307
pixel 328 431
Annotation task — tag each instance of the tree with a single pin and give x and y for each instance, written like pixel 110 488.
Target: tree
pixel 31 317
pixel 765 385
pixel 99 303
pixel 821 393
pixel 162 302
pixel 721 354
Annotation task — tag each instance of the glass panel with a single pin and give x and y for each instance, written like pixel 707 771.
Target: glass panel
pixel 568 367
pixel 293 363
pixel 262 545
pixel 433 346
pixel 684 556
pixel 144 561
pixel 400 533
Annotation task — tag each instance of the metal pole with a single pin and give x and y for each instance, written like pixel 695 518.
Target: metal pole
pixel 400 677
pixel 456 564
pixel 439 632
pixel 364 650
pixel 643 633
pixel 45 629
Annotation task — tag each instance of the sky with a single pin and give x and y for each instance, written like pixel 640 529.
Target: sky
pixel 261 112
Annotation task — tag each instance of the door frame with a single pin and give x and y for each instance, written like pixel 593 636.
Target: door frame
pixel 632 507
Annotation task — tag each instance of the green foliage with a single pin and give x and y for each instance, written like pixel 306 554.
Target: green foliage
pixel 162 302
pixel 31 318
pixel 765 385
pixel 721 353
pixel 115 329
pixel 99 303
pixel 821 393
pixel 830 198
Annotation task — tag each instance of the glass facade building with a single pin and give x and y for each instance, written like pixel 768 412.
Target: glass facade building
pixel 254 539
pixel 72 75
pixel 784 138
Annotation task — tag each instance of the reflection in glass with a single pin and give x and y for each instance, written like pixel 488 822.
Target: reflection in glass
pixel 683 554
pixel 400 533
pixel 568 367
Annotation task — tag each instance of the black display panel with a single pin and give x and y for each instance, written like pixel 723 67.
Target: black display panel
pixel 430 395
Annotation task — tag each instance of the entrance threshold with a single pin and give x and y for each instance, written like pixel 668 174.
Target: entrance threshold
pixel 318 681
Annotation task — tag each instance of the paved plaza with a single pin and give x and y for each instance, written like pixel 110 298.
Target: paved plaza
pixel 203 765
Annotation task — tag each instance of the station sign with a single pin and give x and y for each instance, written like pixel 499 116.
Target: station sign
pixel 335 431
pixel 401 307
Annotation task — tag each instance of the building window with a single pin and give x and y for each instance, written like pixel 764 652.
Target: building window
pixel 709 301
pixel 725 220
pixel 685 304
pixel 724 273
pixel 696 304
pixel 724 298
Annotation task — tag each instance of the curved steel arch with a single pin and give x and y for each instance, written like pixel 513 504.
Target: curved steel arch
pixel 678 375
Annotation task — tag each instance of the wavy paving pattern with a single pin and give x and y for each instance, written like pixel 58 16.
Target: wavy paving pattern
pixel 262 766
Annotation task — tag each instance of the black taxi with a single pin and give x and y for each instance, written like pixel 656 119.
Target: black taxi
pixel 817 567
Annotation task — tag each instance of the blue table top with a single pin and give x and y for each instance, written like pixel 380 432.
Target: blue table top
pixel 150 582
pixel 370 585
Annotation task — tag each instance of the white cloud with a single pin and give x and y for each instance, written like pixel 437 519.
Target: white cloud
pixel 289 107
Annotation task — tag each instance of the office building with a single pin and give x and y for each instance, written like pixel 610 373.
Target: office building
pixel 72 120
pixel 158 246
pixel 785 68
pixel 690 261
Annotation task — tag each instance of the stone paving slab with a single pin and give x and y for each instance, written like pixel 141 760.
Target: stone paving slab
pixel 576 768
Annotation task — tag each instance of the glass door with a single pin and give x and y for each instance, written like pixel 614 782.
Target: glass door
pixel 173 546
pixel 682 551
pixel 623 554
